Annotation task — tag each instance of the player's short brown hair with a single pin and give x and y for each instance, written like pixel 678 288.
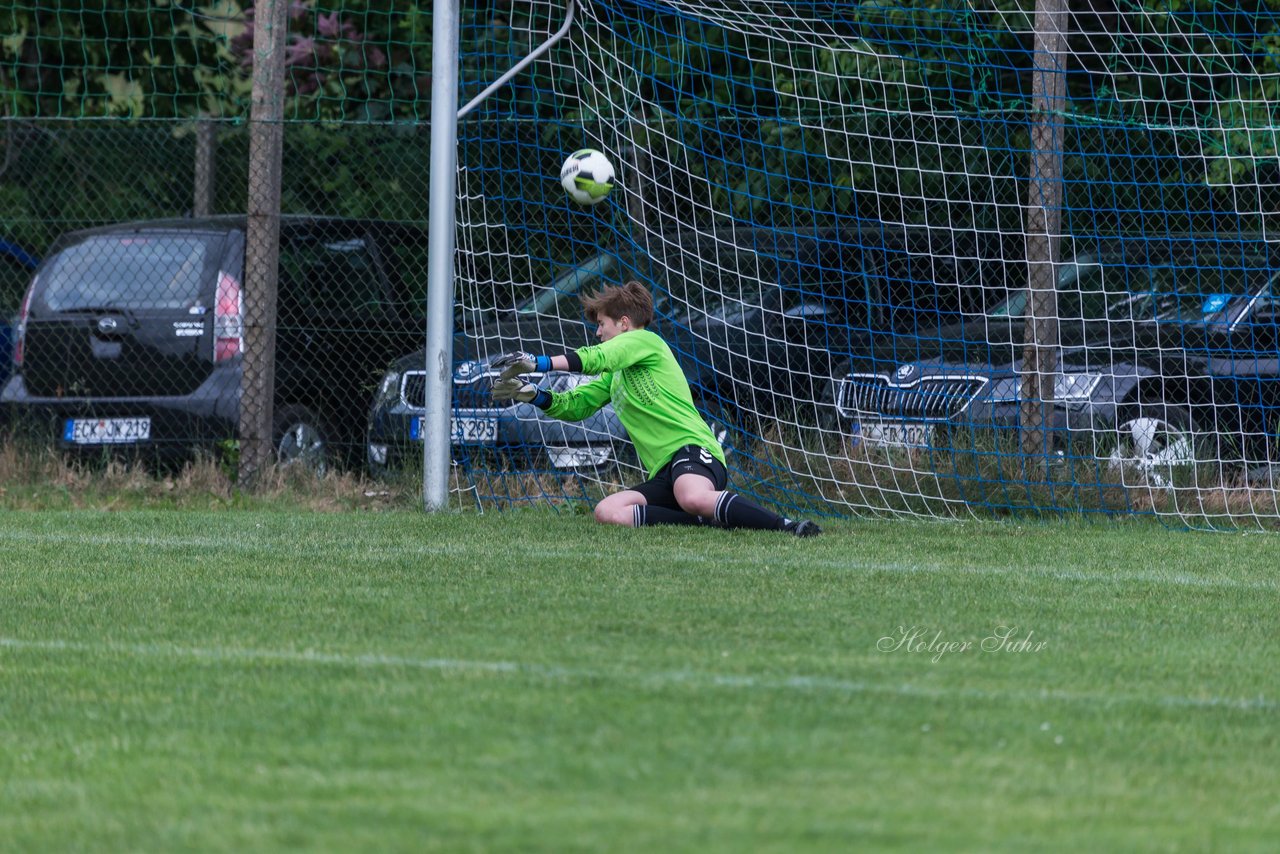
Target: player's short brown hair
pixel 632 300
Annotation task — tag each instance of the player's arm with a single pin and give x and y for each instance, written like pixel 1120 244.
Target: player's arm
pixel 573 405
pixel 581 402
pixel 613 355
pixel 513 365
pixel 605 358
pixel 510 386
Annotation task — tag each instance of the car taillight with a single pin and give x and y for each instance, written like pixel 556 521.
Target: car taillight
pixel 228 319
pixel 20 334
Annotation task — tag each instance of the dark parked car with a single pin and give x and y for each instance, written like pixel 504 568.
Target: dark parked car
pixel 523 433
pixel 1170 356
pixel 758 319
pixel 131 336
pixel 520 429
pixel 16 266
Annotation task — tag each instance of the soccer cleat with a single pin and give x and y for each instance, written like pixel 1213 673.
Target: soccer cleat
pixel 802 528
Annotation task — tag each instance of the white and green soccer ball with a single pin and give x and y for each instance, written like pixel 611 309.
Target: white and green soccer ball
pixel 587 176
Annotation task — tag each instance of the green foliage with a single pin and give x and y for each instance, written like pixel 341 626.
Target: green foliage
pixel 62 176
pixel 792 131
pixel 358 61
pixel 114 58
pixel 1207 69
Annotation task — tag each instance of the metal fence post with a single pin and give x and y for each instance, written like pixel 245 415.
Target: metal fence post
pixel 440 246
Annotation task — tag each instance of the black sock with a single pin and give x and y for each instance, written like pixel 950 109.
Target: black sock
pixel 734 511
pixel 646 514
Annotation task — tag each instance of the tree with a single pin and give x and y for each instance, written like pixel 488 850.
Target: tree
pixel 86 60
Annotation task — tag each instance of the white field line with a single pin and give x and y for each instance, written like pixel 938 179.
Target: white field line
pixel 637 679
pixel 369 553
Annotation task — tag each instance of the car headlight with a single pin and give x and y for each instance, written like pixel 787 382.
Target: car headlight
pixel 1006 389
pixel 581 457
pixel 1066 387
pixel 560 381
pixel 388 389
pixel 1075 386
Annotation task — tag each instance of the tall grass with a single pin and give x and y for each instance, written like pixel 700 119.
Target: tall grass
pixel 39 478
pixel 984 475
pixel 814 471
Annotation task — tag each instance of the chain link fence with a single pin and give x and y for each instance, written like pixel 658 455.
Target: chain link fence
pixel 133 336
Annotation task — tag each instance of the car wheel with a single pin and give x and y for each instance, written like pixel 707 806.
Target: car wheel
pixel 302 439
pixel 1154 441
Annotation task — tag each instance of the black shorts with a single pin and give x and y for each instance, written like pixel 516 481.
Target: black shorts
pixel 660 490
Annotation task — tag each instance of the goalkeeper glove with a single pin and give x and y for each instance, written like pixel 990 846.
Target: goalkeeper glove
pixel 517 363
pixel 519 390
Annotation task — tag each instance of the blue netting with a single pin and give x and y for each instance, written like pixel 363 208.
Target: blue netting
pixel 832 195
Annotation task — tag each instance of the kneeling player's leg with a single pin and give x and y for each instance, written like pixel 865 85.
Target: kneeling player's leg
pixel 697 493
pixel 633 508
pixel 699 483
pixel 658 504
pixel 652 514
pixel 619 508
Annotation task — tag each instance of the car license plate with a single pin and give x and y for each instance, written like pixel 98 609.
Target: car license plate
pixel 893 435
pixel 464 430
pixel 106 431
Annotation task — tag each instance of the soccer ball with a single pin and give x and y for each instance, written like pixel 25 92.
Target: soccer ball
pixel 587 176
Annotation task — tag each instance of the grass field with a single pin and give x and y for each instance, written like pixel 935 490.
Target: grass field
pixel 247 680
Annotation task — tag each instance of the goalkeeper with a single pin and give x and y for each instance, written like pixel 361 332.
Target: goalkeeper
pixel 637 371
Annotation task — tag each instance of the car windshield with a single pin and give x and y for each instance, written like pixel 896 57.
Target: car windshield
pixel 129 271
pixel 726 287
pixel 561 296
pixel 1186 293
pixel 831 283
pixel 686 286
pixel 1080 294
pixel 1159 289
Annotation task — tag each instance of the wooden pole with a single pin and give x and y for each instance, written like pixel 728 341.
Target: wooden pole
pixel 1044 224
pixel 262 242
pixel 202 204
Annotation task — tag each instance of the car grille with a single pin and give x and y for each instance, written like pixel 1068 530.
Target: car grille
pixel 475 392
pixel 925 399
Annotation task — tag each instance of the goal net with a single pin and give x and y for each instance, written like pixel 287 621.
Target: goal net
pixel 935 259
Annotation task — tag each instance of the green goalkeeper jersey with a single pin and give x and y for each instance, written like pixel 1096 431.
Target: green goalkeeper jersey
pixel 640 376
